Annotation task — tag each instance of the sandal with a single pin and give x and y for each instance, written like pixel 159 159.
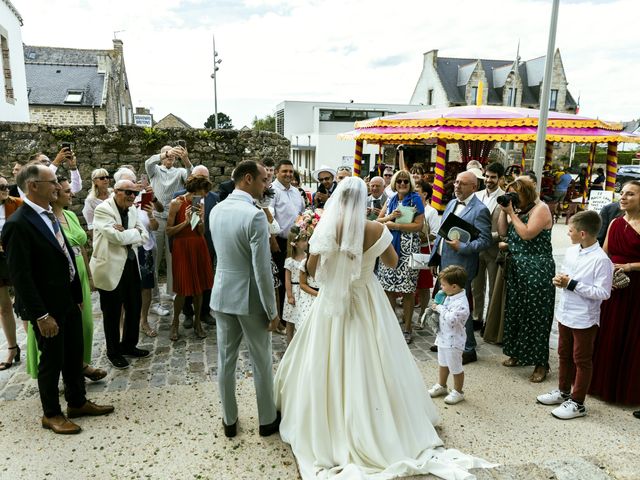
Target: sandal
pixel 148 331
pixel 510 362
pixel 173 335
pixel 539 374
pixel 407 337
pixel 199 331
pixel 16 359
pixel 93 374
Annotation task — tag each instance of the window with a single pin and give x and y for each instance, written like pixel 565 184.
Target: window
pixel 349 115
pixel 430 97
pixel 553 100
pixel 74 96
pixel 474 96
pixel 280 122
pixel 6 68
pixel 513 93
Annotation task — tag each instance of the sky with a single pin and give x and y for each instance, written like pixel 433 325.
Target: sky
pixel 336 50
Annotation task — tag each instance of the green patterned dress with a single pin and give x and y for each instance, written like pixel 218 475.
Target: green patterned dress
pixel 77 237
pixel 530 297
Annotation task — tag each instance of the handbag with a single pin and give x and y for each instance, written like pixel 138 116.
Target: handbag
pixel 620 279
pixel 420 261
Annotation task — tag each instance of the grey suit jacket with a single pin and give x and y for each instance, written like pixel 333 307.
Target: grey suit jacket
pixel 243 283
pixel 467 256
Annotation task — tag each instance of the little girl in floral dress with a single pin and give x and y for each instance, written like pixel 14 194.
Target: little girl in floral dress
pixel 298 241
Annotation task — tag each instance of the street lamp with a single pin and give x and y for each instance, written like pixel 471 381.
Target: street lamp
pixel 216 61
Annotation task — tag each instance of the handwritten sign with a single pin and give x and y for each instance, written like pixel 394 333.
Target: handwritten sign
pixel 598 199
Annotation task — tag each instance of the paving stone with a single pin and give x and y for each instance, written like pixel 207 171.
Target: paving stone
pixel 11 392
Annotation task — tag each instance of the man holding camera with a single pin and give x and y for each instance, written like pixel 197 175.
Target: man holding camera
pixel 326 185
pixel 454 252
pixel 166 180
pixel 64 155
pixel 487 267
pixel 377 199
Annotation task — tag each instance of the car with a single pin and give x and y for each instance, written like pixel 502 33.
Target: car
pixel 626 173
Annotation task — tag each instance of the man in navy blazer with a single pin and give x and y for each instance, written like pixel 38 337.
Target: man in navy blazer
pixel 453 252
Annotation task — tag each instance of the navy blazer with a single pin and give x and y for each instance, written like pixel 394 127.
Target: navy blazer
pixel 478 215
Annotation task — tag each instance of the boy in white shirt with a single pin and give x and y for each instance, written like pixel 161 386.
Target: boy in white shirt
pixel 451 335
pixel 585 283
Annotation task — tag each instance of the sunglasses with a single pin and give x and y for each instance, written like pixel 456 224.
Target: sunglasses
pixel 344 169
pixel 325 179
pixel 388 174
pixel 128 193
pixel 4 188
pixel 102 178
pixel 403 181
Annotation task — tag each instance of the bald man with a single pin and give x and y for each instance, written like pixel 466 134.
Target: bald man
pixel 453 252
pixel 117 234
pixel 377 199
pixel 210 201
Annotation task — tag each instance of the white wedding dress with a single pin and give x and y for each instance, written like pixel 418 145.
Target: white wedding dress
pixel 353 402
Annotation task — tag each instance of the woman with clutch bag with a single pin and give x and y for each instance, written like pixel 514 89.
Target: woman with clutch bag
pixel 616 363
pixel 403 214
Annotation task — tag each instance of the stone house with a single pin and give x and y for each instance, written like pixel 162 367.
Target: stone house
pixel 171 121
pixel 13 85
pixel 69 86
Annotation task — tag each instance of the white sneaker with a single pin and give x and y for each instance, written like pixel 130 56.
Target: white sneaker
pixel 158 309
pixel 454 397
pixel 555 397
pixel 437 391
pixel 569 410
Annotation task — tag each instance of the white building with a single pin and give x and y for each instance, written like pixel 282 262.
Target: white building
pixel 14 104
pixel 312 128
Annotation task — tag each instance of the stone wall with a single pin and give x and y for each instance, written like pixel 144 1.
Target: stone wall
pixel 67 115
pixel 109 148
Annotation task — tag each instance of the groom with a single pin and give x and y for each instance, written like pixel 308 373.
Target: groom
pixel 243 298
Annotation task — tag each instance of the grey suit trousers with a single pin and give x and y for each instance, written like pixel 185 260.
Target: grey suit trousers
pixel 230 330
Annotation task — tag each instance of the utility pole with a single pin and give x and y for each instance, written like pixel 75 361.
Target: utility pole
pixel 216 61
pixel 538 156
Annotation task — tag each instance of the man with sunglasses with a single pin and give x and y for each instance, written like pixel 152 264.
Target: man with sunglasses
pixel 386 176
pixel 45 279
pixel 342 173
pixel 117 233
pixel 326 185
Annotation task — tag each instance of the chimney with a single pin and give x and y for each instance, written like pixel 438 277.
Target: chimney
pixel 117 46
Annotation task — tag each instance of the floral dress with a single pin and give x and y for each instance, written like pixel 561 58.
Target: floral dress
pixel 291 313
pixel 530 297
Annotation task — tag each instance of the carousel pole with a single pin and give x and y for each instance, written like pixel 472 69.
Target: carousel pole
pixel 590 162
pixel 438 182
pixel 612 166
pixel 357 158
pixel 548 156
pixel 524 156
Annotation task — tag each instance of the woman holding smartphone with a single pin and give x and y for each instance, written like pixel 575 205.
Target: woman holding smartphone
pixel 192 270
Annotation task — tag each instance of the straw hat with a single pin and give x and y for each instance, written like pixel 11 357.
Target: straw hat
pixel 477 172
pixel 323 168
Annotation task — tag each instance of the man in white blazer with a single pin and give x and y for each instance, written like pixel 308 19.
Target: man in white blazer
pixel 243 298
pixel 117 233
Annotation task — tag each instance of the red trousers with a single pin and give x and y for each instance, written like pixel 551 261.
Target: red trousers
pixel 575 351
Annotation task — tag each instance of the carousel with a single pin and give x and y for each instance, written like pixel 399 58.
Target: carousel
pixel 476 129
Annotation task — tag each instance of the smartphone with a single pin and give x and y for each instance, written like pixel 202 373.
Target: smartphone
pixel 147 199
pixel 376 204
pixel 181 143
pixel 68 145
pixel 144 180
pixel 195 201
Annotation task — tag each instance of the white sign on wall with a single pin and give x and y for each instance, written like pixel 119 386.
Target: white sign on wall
pixel 142 120
pixel 598 199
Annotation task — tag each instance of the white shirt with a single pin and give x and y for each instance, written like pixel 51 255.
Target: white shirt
pixel 3 216
pixel 42 212
pixel 453 315
pixel 489 199
pixel 287 205
pixel 75 180
pixel 593 271
pixel 432 220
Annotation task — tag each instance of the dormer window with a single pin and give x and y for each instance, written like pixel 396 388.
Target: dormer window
pixel 74 96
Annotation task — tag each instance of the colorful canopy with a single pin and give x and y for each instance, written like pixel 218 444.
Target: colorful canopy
pixel 488 123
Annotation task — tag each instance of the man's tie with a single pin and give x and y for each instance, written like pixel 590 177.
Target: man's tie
pixel 63 245
pixel 458 203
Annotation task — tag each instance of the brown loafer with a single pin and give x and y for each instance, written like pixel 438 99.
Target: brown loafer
pixel 89 409
pixel 60 424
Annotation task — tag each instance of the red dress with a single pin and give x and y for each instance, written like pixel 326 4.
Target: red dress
pixel 616 362
pixel 192 270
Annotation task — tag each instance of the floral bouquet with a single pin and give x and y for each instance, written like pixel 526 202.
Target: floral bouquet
pixel 307 221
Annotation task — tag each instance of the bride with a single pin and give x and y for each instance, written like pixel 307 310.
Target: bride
pixel 353 402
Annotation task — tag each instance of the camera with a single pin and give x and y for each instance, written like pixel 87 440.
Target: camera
pixel 68 145
pixel 181 143
pixel 509 197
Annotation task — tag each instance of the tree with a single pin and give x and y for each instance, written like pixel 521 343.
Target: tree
pixel 224 121
pixel 267 123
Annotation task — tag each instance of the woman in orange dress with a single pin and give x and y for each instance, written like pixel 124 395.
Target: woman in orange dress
pixel 192 269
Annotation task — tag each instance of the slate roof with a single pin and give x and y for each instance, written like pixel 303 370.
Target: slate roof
pixel 52 72
pixel 450 70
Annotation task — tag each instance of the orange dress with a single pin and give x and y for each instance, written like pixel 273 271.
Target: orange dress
pixel 192 269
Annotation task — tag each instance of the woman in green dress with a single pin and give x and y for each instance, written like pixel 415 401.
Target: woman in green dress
pixel 530 300
pixel 77 238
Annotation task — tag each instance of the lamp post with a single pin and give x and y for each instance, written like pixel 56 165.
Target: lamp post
pixel 216 61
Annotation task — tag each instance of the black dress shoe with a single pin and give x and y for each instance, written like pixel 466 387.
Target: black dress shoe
pixel 636 414
pixel 207 319
pixel 477 325
pixel 188 322
pixel 230 430
pixel 136 352
pixel 469 357
pixel 118 361
pixel 433 348
pixel 270 429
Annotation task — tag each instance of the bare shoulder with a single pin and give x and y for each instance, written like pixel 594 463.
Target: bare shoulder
pixel 372 232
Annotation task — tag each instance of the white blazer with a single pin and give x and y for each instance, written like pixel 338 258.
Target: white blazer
pixel 109 245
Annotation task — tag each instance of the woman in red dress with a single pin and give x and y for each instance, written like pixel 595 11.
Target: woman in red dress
pixel 616 363
pixel 192 269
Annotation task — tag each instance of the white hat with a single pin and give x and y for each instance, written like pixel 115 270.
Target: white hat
pixel 477 172
pixel 323 168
